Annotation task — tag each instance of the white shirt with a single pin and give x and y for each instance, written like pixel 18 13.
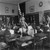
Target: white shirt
pixel 22 30
pixel 11 31
pixel 30 31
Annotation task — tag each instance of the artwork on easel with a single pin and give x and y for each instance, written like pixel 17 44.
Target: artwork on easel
pixel 6 10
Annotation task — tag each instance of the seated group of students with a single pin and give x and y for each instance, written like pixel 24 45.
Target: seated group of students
pixel 25 28
pixel 8 31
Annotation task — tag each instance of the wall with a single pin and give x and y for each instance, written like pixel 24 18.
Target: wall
pixel 10 1
pixel 20 1
pixel 6 9
pixel 33 6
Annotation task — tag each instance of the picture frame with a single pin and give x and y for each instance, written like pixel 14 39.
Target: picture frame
pixel 41 4
pixel 6 10
pixel 31 8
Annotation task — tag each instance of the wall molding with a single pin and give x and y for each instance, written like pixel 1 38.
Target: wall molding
pixel 8 3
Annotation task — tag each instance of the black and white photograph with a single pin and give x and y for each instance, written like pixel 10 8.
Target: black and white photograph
pixel 24 24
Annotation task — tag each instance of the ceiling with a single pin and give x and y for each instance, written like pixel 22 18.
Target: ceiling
pixel 12 1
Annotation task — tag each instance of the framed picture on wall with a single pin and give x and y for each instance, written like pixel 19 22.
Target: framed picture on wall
pixel 31 8
pixel 6 10
pixel 41 4
pixel 12 10
pixel 1 18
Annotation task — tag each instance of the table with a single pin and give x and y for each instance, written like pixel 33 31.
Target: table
pixel 40 35
pixel 14 38
pixel 27 40
pixel 24 40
